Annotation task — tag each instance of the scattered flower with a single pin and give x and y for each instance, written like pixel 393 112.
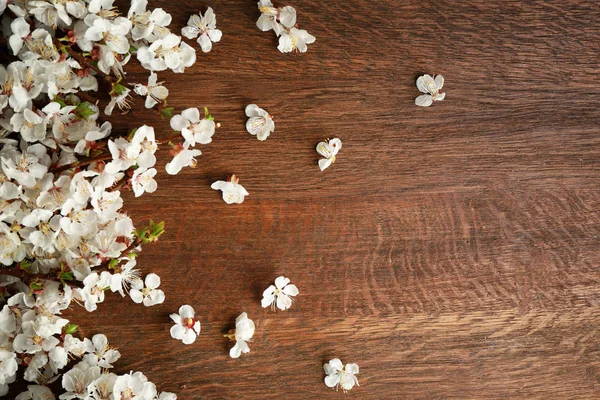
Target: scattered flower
pixel 338 375
pixel 280 294
pixel 243 332
pixel 186 328
pixel 260 123
pixel 233 192
pixel 431 86
pixel 183 157
pixel 329 150
pixel 206 27
pixel 295 40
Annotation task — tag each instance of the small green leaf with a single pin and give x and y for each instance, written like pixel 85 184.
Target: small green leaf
pixel 66 276
pixel 70 329
pixel 167 112
pixel 84 110
pixel 207 115
pixel 118 89
pixel 25 264
pixel 36 285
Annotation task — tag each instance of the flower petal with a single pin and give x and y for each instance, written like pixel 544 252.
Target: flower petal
pixel 424 100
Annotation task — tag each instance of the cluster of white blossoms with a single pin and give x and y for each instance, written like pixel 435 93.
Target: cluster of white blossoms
pixel 282 20
pixel 64 237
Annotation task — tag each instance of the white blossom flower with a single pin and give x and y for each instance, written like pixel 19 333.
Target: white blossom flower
pixel 431 86
pixel 124 276
pixel 149 25
pixel 295 40
pixel 259 123
pixel 206 27
pixel 167 52
pixel 99 353
pixel 280 294
pixel 122 100
pixel 149 295
pixel 133 386
pixel 76 380
pixel 186 328
pixel 233 192
pixel 275 18
pixel 338 375
pixel 143 181
pixel 193 129
pixel 183 157
pixel 154 91
pixel 243 332
pixel 329 150
pixel 93 289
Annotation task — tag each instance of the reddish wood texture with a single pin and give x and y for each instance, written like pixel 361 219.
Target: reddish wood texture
pixel 452 252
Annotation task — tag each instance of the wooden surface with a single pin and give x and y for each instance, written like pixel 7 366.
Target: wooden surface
pixel 452 252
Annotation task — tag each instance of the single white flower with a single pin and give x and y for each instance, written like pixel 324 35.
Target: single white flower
pixel 143 181
pixel 243 332
pixel 260 123
pixel 154 91
pixel 99 353
pixel 329 150
pixel 121 100
pixel 279 295
pixel 193 129
pixel 233 192
pixel 206 27
pixel 182 157
pixel 275 18
pixel 186 328
pixel 431 86
pixel 295 40
pixel 338 375
pixel 149 295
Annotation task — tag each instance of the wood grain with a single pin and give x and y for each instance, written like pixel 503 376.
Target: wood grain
pixel 452 252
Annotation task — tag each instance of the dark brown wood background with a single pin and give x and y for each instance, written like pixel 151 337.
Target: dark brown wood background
pixel 452 251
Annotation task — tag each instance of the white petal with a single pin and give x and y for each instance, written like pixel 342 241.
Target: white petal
pixel 152 281
pixel 421 85
pixel 178 122
pixel 189 337
pixel 336 364
pixel 252 110
pixel 191 114
pixel 332 380
pixel 291 290
pixel 324 163
pixel 235 351
pixel 439 82
pixel 424 100
pixel 205 43
pixel 177 332
pixel 215 35
pixel 281 281
pixel 186 311
pixel 283 302
pixel 267 300
pixel 352 368
pixel 136 296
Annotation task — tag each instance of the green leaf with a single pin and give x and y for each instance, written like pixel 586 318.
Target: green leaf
pixel 84 110
pixel 70 329
pixel 25 264
pixel 113 263
pixel 207 115
pixel 167 112
pixel 36 285
pixel 66 276
pixel 118 89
